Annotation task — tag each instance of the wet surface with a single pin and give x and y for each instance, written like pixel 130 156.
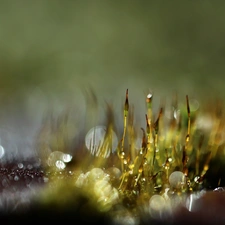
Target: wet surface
pixel 18 176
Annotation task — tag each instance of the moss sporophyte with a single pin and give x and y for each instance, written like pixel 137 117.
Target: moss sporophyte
pixel 178 154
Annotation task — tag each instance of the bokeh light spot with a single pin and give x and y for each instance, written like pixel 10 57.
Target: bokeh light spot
pixel 2 151
pixel 100 141
pixel 177 179
pixel 58 159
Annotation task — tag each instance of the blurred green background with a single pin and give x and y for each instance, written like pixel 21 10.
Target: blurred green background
pixel 53 51
pixel 112 45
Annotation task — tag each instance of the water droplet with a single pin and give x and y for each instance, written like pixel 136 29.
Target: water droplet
pixel 149 96
pixel 177 179
pixel 30 167
pixel 170 159
pixel 176 114
pixel 194 105
pixel 67 158
pixel 156 206
pixel 80 180
pixel 60 164
pixel 20 165
pixel 197 179
pixel 100 142
pixel 97 174
pixel 16 178
pixel 114 172
pixel 8 146
pixel 2 151
pixel 58 159
pixel 219 189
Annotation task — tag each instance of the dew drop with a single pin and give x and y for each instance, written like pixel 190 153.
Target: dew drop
pixel 177 179
pixel 97 138
pixel 16 178
pixel 196 179
pixel 60 164
pixel 2 151
pixel 194 105
pixel 20 165
pixel 156 206
pixel 58 159
pixel 67 158
pixel 219 189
